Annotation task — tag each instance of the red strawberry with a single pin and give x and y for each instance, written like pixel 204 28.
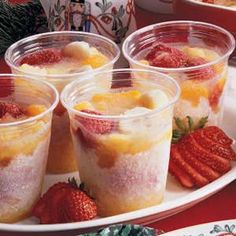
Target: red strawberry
pixel 197 178
pixel 214 98
pixel 6 87
pixel 9 108
pixel 78 207
pixel 43 56
pixel 165 56
pixel 55 206
pixel 94 125
pixel 184 178
pixel 201 156
pixel 200 74
pixel 47 209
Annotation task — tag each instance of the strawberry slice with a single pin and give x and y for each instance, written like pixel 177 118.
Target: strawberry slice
pixel 9 108
pixel 216 162
pixel 94 125
pixel 197 178
pixel 213 147
pixel 41 57
pixel 179 173
pixel 201 167
pixel 217 135
pixel 200 74
pixel 162 55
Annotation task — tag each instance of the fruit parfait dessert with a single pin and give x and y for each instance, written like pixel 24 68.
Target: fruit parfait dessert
pixel 59 58
pixel 195 54
pixel 26 107
pixel 122 135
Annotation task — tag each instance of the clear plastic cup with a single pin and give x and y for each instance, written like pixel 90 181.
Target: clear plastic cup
pixel 201 93
pixel 24 146
pixel 61 160
pixel 124 169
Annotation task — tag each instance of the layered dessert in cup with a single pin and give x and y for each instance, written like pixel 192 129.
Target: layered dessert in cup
pixel 195 54
pixel 59 58
pixel 26 107
pixel 122 136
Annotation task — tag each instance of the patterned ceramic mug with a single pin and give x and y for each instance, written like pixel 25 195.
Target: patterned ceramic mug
pixel 111 18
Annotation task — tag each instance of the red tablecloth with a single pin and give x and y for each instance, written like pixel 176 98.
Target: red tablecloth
pixel 221 206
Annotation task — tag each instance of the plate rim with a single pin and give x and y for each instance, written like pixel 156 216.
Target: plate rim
pixel 194 196
pixel 182 230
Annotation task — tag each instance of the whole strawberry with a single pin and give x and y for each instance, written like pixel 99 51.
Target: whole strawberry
pixel 162 55
pixel 64 202
pixel 79 207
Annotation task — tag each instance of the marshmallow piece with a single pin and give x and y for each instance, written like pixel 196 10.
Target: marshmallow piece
pixel 77 50
pixel 154 99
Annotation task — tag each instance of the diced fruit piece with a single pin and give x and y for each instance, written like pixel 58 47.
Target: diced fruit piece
pixel 162 55
pixel 95 125
pixel 83 106
pixel 145 62
pixel 64 202
pixel 215 95
pixel 133 125
pixel 116 103
pixel 78 50
pixel 192 91
pixel 204 73
pixel 9 108
pixel 78 207
pixel 95 60
pixel 194 52
pixel 34 109
pixel 42 56
pixel 154 99
pixel 206 152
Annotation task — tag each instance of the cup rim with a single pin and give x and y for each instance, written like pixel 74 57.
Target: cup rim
pixel 75 83
pixel 181 69
pixel 33 118
pixel 57 76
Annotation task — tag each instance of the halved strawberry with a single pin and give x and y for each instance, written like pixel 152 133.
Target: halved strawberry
pixel 43 56
pixel 95 125
pixel 9 108
pixel 200 74
pixel 162 55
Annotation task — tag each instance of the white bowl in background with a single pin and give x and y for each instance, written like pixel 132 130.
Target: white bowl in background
pixel 159 6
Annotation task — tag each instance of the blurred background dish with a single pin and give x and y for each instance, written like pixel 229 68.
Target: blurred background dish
pixel 160 6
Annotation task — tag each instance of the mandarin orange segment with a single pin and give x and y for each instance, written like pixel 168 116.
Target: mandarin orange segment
pixel 83 106
pixel 193 92
pixel 34 109
pixel 116 102
pixel 95 60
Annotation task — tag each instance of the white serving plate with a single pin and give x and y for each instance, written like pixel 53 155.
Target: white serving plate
pixel 195 2
pixel 176 198
pixel 217 228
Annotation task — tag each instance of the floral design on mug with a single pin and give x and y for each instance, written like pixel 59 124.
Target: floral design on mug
pixel 106 17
